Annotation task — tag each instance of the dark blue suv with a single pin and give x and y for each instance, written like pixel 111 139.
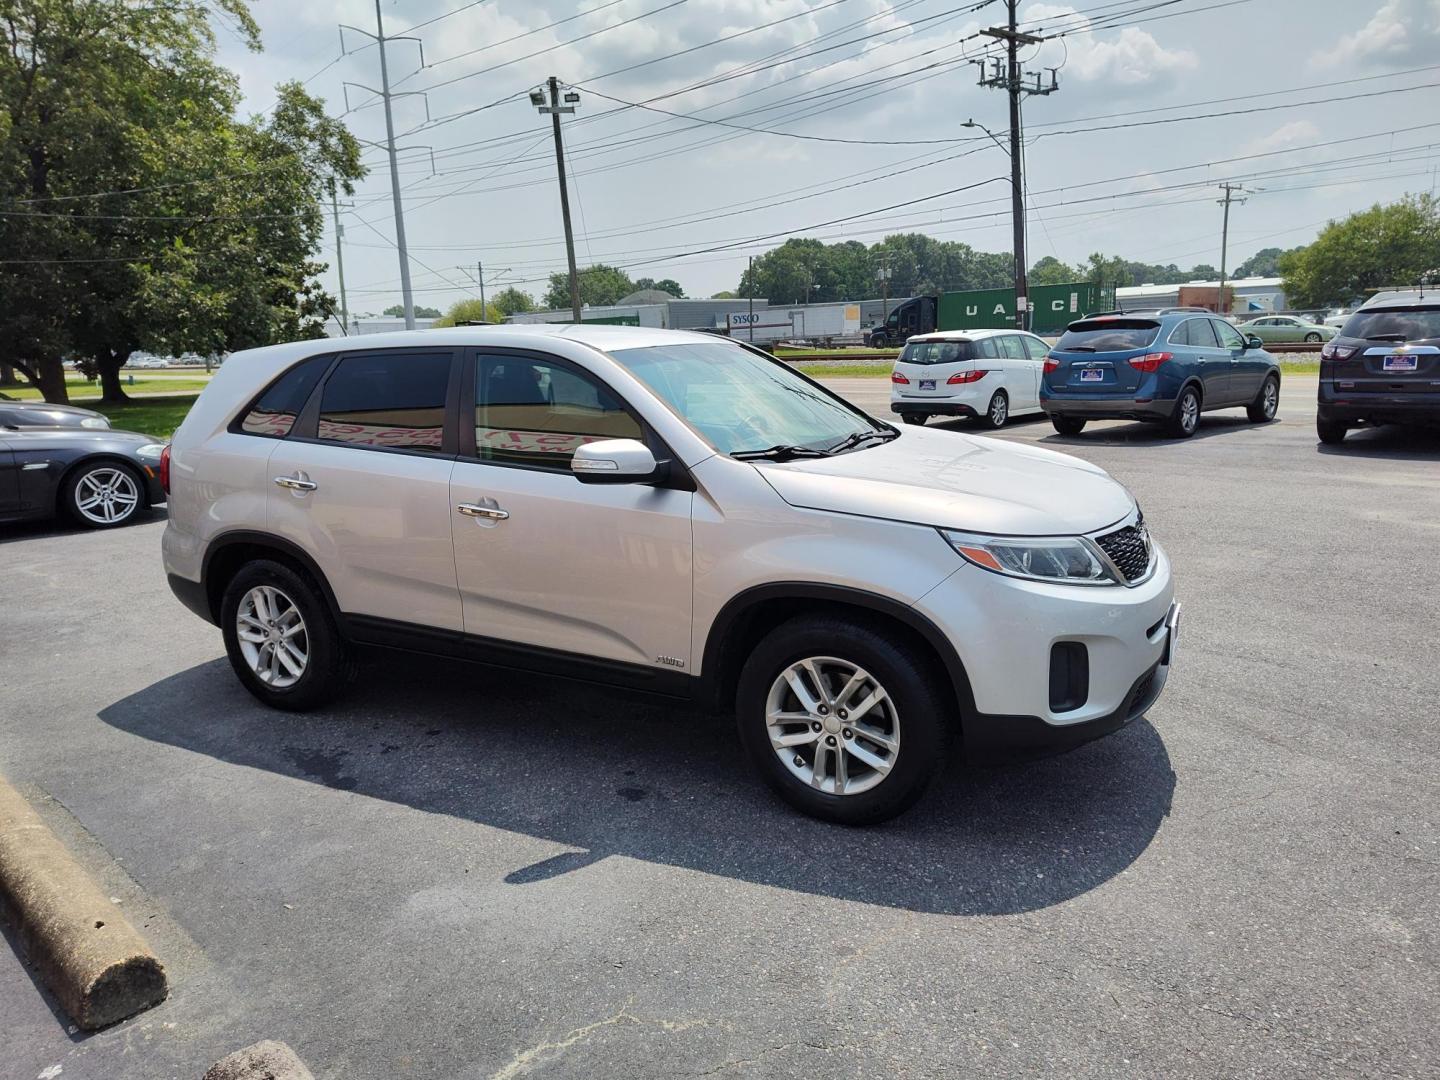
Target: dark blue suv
pixel 1165 367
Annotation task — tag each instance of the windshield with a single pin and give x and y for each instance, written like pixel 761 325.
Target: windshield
pixel 1401 324
pixel 935 352
pixel 1111 335
pixel 743 402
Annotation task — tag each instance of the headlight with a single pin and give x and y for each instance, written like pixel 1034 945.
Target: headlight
pixel 151 451
pixel 94 422
pixel 1065 560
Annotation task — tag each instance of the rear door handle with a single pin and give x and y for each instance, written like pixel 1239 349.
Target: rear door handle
pixel 296 483
pixel 494 513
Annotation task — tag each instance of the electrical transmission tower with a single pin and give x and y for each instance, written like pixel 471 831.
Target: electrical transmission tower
pixel 1006 74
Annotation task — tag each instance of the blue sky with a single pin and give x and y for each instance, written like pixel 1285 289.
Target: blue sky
pixel 838 108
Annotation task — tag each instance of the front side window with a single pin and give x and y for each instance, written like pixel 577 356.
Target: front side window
pixel 529 411
pixel 742 402
pixel 1035 348
pixel 274 412
pixel 390 401
pixel 1230 338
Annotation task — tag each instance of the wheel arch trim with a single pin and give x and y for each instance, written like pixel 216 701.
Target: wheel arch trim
pixel 254 538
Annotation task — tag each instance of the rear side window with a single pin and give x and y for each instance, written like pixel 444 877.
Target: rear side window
pixel 274 412
pixel 1010 347
pixel 1195 332
pixel 984 349
pixel 1408 324
pixel 387 400
pixel 530 412
pixel 936 352
pixel 1109 335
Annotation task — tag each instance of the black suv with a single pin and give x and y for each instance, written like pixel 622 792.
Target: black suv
pixel 1383 367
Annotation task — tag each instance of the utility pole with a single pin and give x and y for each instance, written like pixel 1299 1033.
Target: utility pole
pixel 380 39
pixel 751 290
pixel 340 259
pixel 551 104
pixel 1007 75
pixel 480 273
pixel 1231 191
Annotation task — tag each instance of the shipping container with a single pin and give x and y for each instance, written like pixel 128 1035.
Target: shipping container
pixel 1052 308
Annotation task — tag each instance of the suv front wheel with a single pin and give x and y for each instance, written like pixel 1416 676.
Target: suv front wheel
pixel 280 637
pixel 841 722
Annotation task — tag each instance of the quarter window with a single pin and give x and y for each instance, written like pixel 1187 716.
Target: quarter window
pixel 984 349
pixel 390 401
pixel 533 412
pixel 274 413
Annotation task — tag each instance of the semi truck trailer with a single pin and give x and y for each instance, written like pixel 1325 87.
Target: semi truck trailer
pixel 1052 308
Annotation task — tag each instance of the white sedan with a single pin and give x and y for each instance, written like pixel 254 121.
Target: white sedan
pixel 990 375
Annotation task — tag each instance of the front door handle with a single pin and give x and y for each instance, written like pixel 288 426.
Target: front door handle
pixel 296 483
pixel 494 513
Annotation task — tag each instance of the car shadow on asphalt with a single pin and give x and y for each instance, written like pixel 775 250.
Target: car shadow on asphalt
pixel 615 774
pixel 1393 442
pixel 1139 432
pixel 35 529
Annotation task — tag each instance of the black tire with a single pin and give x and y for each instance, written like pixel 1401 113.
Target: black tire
pixel 916 691
pixel 918 419
pixel 996 412
pixel 1331 432
pixel 1185 420
pixel 1068 425
pixel 71 495
pixel 1313 337
pixel 1262 410
pixel 328 668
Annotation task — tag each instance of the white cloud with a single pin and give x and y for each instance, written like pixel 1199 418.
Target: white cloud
pixel 1133 57
pixel 1297 132
pixel 1402 32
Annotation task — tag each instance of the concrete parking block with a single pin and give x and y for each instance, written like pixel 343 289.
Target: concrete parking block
pixel 267 1060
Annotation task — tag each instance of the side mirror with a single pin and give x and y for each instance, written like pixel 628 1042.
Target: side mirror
pixel 1253 342
pixel 617 461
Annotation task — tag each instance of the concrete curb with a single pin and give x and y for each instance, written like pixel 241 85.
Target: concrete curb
pixel 87 953
pixel 266 1060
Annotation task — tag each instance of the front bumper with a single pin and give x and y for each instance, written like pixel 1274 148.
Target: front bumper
pixel 1115 408
pixel 1004 630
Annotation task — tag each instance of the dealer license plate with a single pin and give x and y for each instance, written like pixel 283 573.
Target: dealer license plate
pixel 1400 362
pixel 1092 374
pixel 927 384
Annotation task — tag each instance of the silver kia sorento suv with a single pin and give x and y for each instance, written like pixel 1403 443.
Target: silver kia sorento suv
pixel 675 513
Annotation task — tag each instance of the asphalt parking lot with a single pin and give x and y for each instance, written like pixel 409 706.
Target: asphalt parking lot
pixel 463 873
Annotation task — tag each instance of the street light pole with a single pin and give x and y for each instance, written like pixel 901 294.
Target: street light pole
pixel 554 108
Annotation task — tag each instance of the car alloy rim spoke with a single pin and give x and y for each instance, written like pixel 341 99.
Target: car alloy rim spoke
pixel 106 495
pixel 832 725
pixel 271 633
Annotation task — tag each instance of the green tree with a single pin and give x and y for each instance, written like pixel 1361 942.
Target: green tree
pixel 150 216
pixel 1101 269
pixel 599 285
pixel 1398 244
pixel 512 301
pixel 723 294
pixel 396 311
pixel 665 285
pixel 1265 262
pixel 470 311
pixel 1051 271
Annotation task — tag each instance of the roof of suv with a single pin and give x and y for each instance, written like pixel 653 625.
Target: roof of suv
pixel 1401 300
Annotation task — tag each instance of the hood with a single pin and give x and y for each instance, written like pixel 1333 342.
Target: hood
pixel 38 438
pixel 957 481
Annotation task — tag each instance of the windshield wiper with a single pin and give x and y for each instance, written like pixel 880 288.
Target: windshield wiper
pixel 782 452
pixel 855 438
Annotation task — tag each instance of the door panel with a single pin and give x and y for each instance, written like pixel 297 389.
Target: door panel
pixel 1247 368
pixel 1211 362
pixel 597 569
pixel 9 481
pixel 367 494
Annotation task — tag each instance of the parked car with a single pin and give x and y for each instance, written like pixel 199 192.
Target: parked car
pixel 1383 368
pixel 147 362
pixel 1336 317
pixel 988 375
pixel 96 477
pixel 673 512
pixel 1273 329
pixel 15 415
pixel 1164 368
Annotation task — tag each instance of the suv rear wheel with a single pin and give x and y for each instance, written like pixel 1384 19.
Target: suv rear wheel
pixel 841 722
pixel 1330 431
pixel 1068 425
pixel 1186 417
pixel 281 639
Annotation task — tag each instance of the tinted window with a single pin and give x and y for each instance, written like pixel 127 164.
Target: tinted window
pixel 275 411
pixel 1109 335
pixel 1010 347
pixel 984 349
pixel 1230 338
pixel 1409 324
pixel 1035 348
pixel 531 412
pixel 935 352
pixel 1196 333
pixel 394 400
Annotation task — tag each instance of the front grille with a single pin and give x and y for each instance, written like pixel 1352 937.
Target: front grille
pixel 1129 549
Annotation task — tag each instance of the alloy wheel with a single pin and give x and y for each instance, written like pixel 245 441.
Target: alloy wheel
pixel 1271 400
pixel 1189 412
pixel 272 636
pixel 833 725
pixel 106 496
pixel 999 410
